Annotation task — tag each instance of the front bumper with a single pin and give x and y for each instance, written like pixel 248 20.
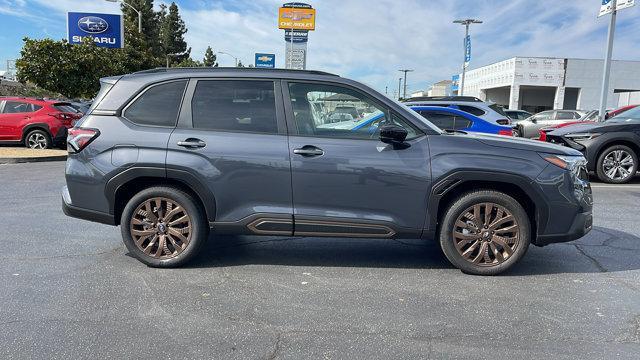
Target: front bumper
pixel 85 214
pixel 582 224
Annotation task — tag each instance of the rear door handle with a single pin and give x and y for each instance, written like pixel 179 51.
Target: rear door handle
pixel 308 151
pixel 192 143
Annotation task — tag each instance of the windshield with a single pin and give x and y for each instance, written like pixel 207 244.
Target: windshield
pixel 104 89
pixel 633 114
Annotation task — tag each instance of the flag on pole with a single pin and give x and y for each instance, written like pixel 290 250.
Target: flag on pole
pixel 467 51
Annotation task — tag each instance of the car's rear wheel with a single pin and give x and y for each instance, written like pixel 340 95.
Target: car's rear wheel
pixel 618 164
pixel 37 139
pixel 485 232
pixel 163 226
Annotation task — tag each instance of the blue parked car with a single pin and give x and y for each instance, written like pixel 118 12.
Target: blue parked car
pixel 447 118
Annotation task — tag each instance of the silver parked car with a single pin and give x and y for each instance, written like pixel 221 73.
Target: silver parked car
pixel 528 128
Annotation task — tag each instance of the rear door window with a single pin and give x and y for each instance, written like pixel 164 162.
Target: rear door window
pixel 446 121
pixel 235 105
pixel 158 105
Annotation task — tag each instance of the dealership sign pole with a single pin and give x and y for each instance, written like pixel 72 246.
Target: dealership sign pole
pixel 609 7
pixel 296 19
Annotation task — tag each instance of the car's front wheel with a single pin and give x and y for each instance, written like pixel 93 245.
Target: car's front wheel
pixel 485 232
pixel 617 164
pixel 163 226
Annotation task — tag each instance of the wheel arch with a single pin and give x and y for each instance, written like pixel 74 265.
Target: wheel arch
pixel 125 185
pixel 35 126
pixel 617 141
pixel 453 186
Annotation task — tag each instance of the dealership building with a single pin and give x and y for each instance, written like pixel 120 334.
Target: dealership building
pixel 537 83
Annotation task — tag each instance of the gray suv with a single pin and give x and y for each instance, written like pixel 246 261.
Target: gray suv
pixel 173 156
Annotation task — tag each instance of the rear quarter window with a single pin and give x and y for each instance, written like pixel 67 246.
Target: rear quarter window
pixel 472 110
pixel 158 105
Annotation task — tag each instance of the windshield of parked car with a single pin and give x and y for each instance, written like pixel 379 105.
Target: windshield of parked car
pixel 633 114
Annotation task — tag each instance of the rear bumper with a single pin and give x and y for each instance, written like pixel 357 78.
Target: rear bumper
pixel 85 214
pixel 60 138
pixel 582 224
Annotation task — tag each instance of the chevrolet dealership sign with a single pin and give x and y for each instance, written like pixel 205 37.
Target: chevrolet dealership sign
pixel 105 29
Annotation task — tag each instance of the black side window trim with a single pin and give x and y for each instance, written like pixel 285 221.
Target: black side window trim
pixel 130 102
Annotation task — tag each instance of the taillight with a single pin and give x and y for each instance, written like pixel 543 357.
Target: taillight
pixel 508 132
pixel 79 138
pixel 62 116
pixel 504 121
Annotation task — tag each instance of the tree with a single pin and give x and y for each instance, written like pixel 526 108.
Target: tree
pixel 172 30
pixel 210 58
pixel 149 39
pixel 71 70
pixel 189 62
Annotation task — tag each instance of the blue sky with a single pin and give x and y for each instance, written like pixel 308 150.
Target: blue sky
pixel 364 39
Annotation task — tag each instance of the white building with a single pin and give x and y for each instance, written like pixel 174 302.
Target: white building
pixel 441 88
pixel 536 84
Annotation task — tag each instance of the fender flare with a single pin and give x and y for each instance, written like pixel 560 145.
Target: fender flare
pixel 452 180
pixel 182 176
pixel 26 129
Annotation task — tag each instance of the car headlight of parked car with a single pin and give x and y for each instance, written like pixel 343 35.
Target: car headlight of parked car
pixel 581 136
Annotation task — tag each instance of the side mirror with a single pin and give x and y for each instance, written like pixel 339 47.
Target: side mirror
pixel 393 134
pixel 534 119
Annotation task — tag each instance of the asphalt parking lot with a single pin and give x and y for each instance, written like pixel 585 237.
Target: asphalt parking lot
pixel 69 291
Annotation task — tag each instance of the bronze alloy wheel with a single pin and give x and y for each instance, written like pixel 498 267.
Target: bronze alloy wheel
pixel 486 234
pixel 161 228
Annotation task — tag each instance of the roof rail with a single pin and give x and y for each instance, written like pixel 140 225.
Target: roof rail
pixel 444 98
pixel 216 69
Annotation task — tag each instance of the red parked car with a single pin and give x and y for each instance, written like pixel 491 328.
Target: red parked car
pixel 36 123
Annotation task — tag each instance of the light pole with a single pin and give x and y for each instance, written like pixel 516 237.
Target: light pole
pixel 399 87
pixel 466 23
pixel 405 71
pixel 134 9
pixel 607 61
pixel 235 58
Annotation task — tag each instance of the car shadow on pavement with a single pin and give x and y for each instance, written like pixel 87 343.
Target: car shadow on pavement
pixel 602 250
pixel 330 252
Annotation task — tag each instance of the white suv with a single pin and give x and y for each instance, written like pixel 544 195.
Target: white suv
pixel 487 111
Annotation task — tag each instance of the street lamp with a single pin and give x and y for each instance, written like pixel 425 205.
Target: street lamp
pixel 405 71
pixel 466 23
pixel 235 58
pixel 134 9
pixel 176 55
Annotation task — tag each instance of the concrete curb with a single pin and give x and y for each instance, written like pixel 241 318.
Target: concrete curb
pixel 32 159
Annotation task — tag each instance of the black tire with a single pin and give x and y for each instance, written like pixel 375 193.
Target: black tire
pixel 502 202
pixel 37 139
pixel 516 132
pixel 600 166
pixel 198 226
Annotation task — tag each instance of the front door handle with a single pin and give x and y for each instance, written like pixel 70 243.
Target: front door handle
pixel 192 143
pixel 308 151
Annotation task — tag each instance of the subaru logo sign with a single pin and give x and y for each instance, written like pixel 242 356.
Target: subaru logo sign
pixel 93 24
pixel 105 30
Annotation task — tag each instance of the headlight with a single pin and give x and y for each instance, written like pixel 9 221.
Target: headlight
pixel 582 136
pixel 566 161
